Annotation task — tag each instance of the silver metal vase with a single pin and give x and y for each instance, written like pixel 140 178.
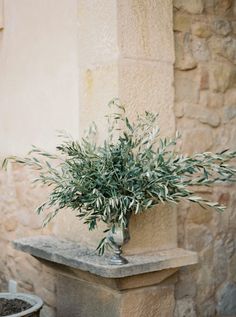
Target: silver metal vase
pixel 116 240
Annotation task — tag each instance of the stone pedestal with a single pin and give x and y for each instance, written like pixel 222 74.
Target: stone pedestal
pixel 87 286
pixel 83 298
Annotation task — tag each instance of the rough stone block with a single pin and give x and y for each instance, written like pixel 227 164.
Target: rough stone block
pixel 79 298
pixel 223 47
pixel 159 231
pixel 220 77
pixel 220 262
pixel 67 226
pixel 205 283
pixel 10 223
pixel 226 300
pixel 198 237
pixel 204 115
pixel 216 100
pixel 222 6
pixel 230 97
pixel 94 99
pixel 204 78
pixel 47 311
pixel 234 26
pixel 200 49
pixel 193 6
pixel 185 307
pixel 91 300
pixel 138 89
pixel 201 29
pixel 229 113
pixel 184 59
pixel 186 285
pixel 97 32
pixel 204 98
pixel 197 140
pixel 187 86
pixel 145 29
pixel 198 215
pixel 152 302
pixel 232 268
pixel 207 308
pixel 182 22
pixel 222 27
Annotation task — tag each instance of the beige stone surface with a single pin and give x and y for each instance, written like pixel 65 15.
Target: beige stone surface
pixel 144 280
pixel 185 307
pixel 145 29
pixel 216 100
pixel 193 6
pixel 149 301
pixel 201 29
pixel 184 59
pixel 97 36
pixel 67 226
pixel 1 14
pixel 197 140
pixel 153 301
pixel 230 97
pixel 200 49
pixel 187 86
pixel 182 22
pixel 138 82
pixel 39 74
pixel 152 231
pixel 198 215
pixel 85 299
pixel 221 77
pixel 125 283
pixel 94 101
pixel 203 114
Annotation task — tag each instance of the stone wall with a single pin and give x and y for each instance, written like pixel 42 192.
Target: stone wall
pixel 205 108
pixel 18 200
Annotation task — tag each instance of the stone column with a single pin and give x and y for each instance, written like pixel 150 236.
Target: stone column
pixel 126 50
pixel 146 47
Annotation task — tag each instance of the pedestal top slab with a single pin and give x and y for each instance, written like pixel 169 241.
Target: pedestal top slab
pixel 73 255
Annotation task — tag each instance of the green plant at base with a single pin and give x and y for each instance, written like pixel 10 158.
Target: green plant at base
pixel 127 174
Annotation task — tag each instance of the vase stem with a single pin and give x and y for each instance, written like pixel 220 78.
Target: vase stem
pixel 116 240
pixel 117 258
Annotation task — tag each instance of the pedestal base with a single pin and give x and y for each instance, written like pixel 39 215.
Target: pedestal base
pixel 88 286
pixel 79 298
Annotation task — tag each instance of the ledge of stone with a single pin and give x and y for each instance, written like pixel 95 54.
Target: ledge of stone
pixel 71 254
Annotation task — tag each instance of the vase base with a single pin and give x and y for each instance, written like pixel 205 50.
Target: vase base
pixel 118 260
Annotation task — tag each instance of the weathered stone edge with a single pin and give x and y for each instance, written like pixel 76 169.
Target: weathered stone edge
pixel 73 255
